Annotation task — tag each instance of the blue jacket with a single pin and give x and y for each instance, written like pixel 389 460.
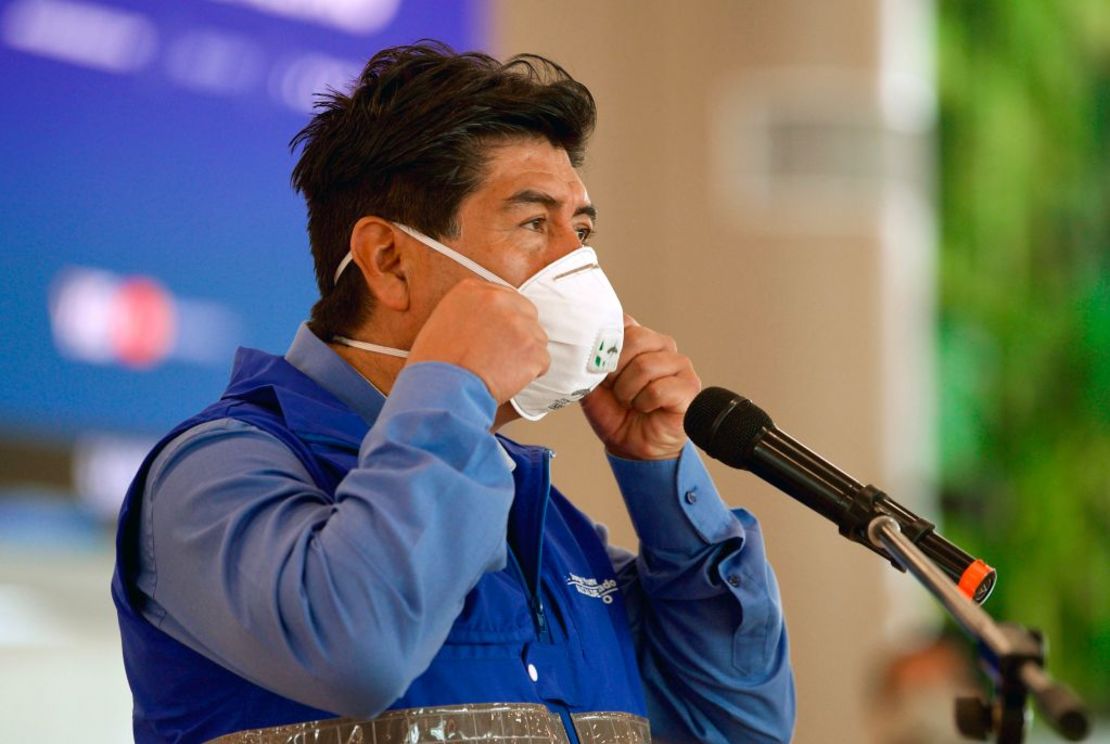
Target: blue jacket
pixel 507 625
pixel 543 600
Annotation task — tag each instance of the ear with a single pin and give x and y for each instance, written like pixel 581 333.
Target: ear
pixel 378 257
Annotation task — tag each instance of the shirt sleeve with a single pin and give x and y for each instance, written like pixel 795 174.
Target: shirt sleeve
pixel 704 609
pixel 245 560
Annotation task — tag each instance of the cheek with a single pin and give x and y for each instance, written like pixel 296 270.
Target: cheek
pixel 433 291
pixel 521 264
pixel 437 279
pixel 513 254
pixel 520 271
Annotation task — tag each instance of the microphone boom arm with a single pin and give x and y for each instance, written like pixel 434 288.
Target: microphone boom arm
pixel 1013 656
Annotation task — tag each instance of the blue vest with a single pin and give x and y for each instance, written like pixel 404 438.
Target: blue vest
pixel 541 611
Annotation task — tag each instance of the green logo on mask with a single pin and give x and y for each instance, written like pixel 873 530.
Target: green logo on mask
pixel 606 356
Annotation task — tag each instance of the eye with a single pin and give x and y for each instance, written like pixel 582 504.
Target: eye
pixel 536 224
pixel 584 233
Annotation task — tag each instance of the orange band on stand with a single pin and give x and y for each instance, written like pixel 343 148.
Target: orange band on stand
pixel 973 577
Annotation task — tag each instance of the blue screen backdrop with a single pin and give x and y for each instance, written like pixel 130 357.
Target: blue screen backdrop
pixel 148 224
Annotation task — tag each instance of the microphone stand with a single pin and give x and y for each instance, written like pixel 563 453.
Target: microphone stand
pixel 1013 656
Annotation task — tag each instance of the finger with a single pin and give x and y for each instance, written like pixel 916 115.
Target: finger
pixel 644 368
pixel 670 394
pixel 638 340
pixel 541 354
pixel 636 334
pixel 518 301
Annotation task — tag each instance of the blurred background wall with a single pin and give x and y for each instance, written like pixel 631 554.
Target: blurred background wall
pixel 767 175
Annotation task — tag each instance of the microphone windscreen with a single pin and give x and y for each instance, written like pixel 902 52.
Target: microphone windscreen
pixel 725 425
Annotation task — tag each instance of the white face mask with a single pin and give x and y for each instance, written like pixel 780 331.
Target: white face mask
pixel 579 311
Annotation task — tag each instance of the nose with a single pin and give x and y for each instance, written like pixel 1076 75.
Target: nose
pixel 565 241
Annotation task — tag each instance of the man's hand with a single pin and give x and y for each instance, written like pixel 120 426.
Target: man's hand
pixel 491 330
pixel 637 411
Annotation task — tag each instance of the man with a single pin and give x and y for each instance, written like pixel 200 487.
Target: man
pixel 343 534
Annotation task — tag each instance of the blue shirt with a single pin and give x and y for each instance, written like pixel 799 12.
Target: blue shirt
pixel 224 499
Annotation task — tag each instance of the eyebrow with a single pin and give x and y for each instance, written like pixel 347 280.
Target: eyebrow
pixel 531 196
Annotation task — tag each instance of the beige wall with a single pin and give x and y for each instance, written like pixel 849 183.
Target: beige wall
pixel 794 292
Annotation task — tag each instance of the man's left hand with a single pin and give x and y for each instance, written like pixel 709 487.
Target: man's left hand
pixel 637 411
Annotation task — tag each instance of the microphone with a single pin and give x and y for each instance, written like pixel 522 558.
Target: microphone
pixel 732 429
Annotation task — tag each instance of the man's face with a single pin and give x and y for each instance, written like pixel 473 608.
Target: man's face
pixel 531 209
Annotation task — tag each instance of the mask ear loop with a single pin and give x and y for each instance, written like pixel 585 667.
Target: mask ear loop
pixel 342 265
pixel 366 346
pixel 454 255
pixel 435 245
pixel 438 247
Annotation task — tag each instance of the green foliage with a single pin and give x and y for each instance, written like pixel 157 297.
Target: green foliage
pixel 1025 314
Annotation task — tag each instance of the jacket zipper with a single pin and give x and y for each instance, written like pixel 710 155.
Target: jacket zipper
pixel 542 624
pixel 548 456
pixel 535 601
pixel 535 604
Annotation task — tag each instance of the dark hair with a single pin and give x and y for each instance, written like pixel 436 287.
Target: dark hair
pixel 410 141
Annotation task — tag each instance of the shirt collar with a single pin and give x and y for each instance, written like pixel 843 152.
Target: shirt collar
pixel 330 371
pixel 327 369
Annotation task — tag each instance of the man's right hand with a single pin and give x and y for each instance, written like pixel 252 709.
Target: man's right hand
pixel 491 330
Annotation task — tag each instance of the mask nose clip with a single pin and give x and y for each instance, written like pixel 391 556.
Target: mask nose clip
pixel 584 267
